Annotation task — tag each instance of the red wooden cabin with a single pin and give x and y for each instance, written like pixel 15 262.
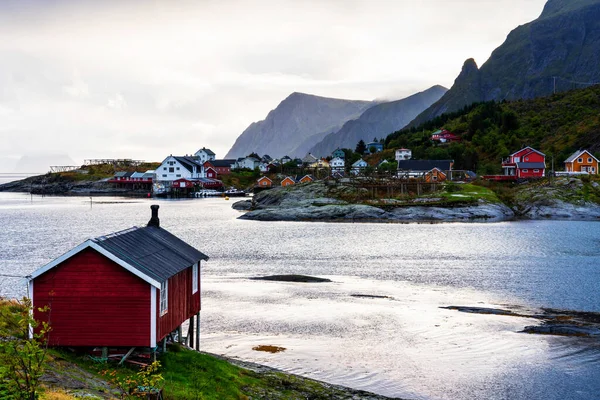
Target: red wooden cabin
pixel 525 163
pixel 126 289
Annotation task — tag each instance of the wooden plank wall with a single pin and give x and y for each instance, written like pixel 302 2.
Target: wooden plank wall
pixel 94 302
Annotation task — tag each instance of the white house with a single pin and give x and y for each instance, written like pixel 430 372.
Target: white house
pixel 337 164
pixel 205 155
pixel 263 167
pixel 403 154
pixel 174 167
pixel 359 166
pixel 247 162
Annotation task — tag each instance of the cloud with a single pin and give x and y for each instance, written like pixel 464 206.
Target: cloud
pixel 134 79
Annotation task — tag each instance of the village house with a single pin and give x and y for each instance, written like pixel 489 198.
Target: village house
pixel 246 162
pixel 338 153
pixel 264 181
pixel 582 161
pixel 223 167
pixel 525 163
pixel 203 155
pixel 130 288
pixel 375 146
pixel 309 159
pixel 403 154
pixel 321 163
pixel 305 179
pixel 337 164
pixel 287 181
pixel 211 173
pixel 421 168
pixel 176 167
pixel 444 136
pixel 285 159
pixel 358 167
pixel 434 175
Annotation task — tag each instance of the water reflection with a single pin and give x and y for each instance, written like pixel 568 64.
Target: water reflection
pixel 404 345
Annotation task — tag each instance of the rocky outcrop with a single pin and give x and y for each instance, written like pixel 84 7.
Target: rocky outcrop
pixel 563 43
pixel 52 184
pixel 559 199
pixel 317 202
pixel 297 123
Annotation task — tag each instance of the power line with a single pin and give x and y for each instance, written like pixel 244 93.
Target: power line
pixel 15 276
pixel 576 82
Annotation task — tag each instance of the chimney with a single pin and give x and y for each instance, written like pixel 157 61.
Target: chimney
pixel 154 221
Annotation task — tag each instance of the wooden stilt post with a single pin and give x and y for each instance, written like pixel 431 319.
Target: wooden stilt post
pixel 198 331
pixel 191 335
pixel 105 353
pixel 180 334
pixel 164 345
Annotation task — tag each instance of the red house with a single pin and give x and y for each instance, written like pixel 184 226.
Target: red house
pixel 525 163
pixel 223 167
pixel 126 289
pixel 444 136
pixel 211 173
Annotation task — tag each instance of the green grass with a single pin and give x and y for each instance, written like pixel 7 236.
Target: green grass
pixel 192 375
pixel 467 192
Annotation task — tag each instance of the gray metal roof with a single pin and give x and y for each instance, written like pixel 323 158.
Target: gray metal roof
pixel 538 165
pixel 223 163
pixel 425 165
pixel 578 154
pixel 153 251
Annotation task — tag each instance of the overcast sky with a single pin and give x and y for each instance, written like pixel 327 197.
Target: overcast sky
pixel 145 79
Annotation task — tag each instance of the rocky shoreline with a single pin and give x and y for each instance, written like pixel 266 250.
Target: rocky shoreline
pixel 316 202
pixel 52 185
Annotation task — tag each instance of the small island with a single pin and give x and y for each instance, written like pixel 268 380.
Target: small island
pixel 559 198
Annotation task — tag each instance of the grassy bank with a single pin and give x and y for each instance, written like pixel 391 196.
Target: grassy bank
pixel 181 373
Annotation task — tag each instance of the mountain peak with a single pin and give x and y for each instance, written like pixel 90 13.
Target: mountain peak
pixel 469 67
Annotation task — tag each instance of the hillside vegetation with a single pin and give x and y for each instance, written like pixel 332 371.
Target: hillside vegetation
pixel 557 125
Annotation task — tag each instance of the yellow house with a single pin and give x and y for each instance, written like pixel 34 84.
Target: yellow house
pixel 435 175
pixel 582 161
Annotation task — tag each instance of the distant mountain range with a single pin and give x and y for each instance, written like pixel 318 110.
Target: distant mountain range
pixel 378 121
pixel 305 123
pixel 558 51
pixel 298 122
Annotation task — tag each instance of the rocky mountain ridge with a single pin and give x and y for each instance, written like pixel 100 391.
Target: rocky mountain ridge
pixel 378 121
pixel 299 119
pixel 559 51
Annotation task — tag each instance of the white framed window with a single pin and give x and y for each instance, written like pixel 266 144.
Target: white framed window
pixel 195 278
pixel 536 170
pixel 589 160
pixel 164 297
pixel 580 160
pixel 525 170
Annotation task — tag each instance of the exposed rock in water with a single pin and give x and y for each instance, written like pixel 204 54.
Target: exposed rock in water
pixel 482 310
pixel 242 205
pixel 371 296
pixel 563 330
pixel 553 322
pixel 292 278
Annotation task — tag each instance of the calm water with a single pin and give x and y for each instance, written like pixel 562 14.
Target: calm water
pixel 6 177
pixel 404 345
